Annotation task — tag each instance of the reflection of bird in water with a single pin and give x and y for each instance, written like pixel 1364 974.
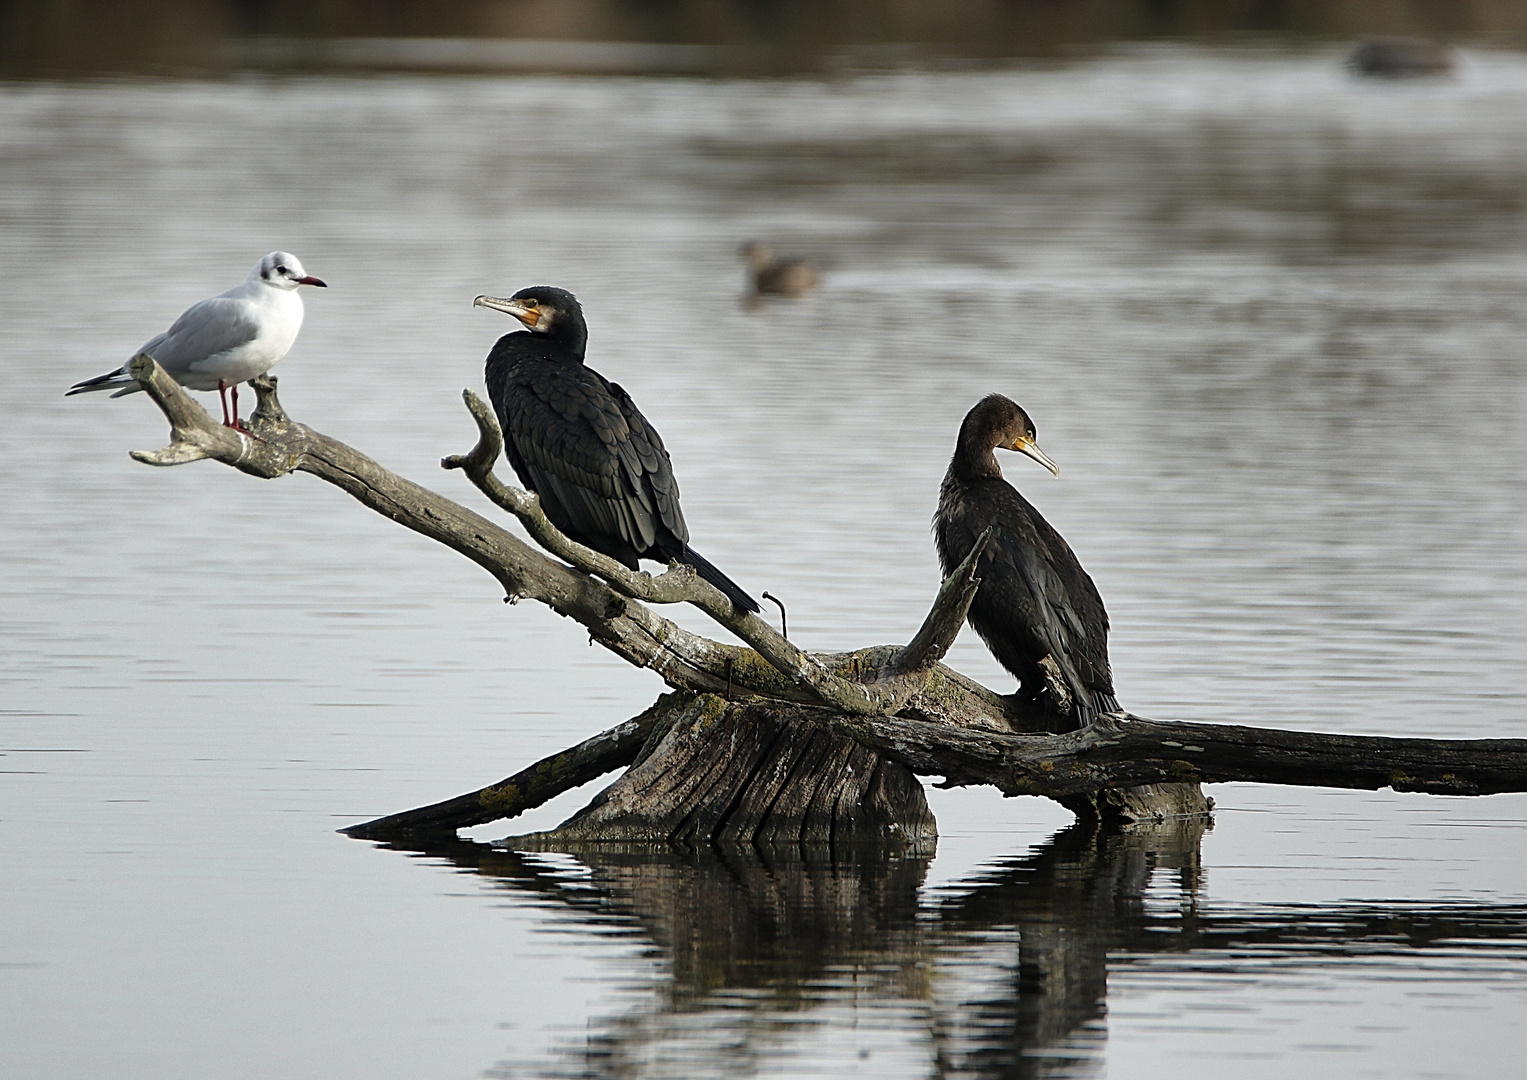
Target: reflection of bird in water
pixel 579 442
pixel 226 339
pixel 1400 58
pixel 1036 608
pixel 770 276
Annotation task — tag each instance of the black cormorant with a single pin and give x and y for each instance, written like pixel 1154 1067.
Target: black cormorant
pixel 1035 601
pixel 578 441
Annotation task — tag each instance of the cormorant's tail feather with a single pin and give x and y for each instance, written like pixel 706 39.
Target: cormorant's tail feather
pixel 706 570
pixel 1100 704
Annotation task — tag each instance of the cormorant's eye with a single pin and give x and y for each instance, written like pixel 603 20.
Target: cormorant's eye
pixel 531 303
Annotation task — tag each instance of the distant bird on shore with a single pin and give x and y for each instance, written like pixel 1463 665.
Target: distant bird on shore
pixel 1400 58
pixel 771 276
pixel 226 339
pixel 579 442
pixel 1036 608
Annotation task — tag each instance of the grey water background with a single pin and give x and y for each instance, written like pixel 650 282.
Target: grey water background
pixel 1269 319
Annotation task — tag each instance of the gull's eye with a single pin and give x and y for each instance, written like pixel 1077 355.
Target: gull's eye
pixel 282 270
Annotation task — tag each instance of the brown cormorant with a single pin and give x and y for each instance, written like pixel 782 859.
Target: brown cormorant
pixel 578 441
pixel 1035 602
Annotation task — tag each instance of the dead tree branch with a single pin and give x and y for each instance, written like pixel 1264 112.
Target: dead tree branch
pixel 899 703
pixel 944 620
pixel 1119 751
pixel 894 683
pixel 679 584
pixel 1074 768
pixel 853 683
pixel 530 787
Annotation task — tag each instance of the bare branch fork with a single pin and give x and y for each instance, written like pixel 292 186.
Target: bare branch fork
pixel 898 679
pixel 899 702
pixel 276 445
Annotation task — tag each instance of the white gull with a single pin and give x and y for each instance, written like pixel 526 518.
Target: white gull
pixel 226 339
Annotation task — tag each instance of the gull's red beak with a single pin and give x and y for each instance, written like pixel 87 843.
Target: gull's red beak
pixel 311 280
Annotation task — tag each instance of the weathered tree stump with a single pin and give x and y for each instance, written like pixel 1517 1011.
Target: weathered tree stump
pixel 767 744
pixel 752 773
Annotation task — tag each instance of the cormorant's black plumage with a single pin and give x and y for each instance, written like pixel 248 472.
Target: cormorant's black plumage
pixel 579 442
pixel 1034 600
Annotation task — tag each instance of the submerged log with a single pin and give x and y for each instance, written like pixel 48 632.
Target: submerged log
pixel 767 743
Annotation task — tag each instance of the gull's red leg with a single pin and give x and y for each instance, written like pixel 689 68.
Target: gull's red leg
pixel 236 425
pixel 222 396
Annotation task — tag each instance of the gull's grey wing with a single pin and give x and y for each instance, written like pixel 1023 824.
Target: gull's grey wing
pixel 207 329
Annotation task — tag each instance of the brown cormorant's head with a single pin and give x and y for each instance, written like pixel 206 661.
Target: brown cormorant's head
pixel 998 422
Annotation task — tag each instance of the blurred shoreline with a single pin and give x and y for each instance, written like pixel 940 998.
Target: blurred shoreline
pixel 62 38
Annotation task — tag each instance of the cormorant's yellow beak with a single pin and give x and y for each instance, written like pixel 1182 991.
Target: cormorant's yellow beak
pixel 529 316
pixel 1029 448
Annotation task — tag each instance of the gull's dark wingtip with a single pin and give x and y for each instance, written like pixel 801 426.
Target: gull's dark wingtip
pixel 87 385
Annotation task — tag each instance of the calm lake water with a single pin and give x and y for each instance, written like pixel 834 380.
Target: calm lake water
pixel 1270 320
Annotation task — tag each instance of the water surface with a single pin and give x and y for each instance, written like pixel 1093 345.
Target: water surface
pixel 1267 318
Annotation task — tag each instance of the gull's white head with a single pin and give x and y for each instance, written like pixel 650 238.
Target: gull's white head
pixel 283 270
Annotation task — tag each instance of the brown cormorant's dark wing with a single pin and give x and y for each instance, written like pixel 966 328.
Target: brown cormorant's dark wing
pixel 1058 625
pixel 1035 598
pixel 1079 620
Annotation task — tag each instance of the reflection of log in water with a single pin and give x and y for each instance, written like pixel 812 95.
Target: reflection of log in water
pixel 1008 970
pixel 1008 973
pixel 1069 904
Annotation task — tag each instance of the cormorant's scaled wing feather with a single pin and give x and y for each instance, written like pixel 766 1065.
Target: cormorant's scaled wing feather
pixel 1035 599
pixel 1058 618
pixel 1059 615
pixel 649 464
pixel 1079 617
pixel 602 477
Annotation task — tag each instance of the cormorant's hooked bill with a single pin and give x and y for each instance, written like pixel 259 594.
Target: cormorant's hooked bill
pixel 1036 608
pixel 579 442
pixel 527 309
pixel 1023 442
